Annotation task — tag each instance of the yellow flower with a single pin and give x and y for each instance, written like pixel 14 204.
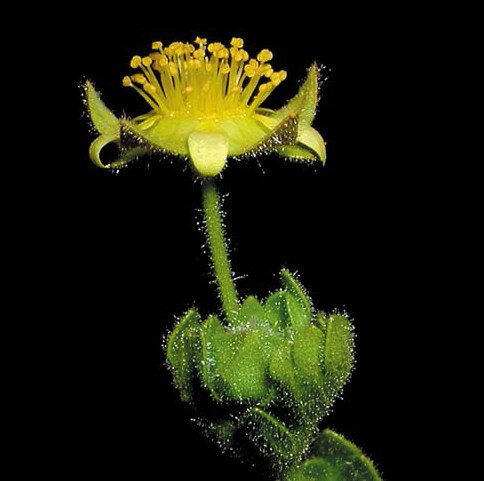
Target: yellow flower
pixel 206 105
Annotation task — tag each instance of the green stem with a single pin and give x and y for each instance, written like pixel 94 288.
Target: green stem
pixel 218 249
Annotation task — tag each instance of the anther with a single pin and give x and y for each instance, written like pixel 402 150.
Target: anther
pixel 201 41
pixel 222 53
pixel 237 42
pixel 266 87
pixel 139 79
pixel 278 77
pixel 251 68
pixel 265 56
pixel 199 54
pixel 135 61
pixel 215 47
pixel 225 69
pixel 127 82
pixel 150 89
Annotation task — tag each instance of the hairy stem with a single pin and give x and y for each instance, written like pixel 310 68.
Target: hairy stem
pixel 218 249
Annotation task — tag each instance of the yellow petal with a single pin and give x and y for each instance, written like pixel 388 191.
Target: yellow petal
pixel 244 134
pixel 208 151
pixel 169 134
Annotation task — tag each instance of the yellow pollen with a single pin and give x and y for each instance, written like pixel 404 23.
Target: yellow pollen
pixel 204 80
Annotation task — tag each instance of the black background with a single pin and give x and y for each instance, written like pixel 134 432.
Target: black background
pixel 127 247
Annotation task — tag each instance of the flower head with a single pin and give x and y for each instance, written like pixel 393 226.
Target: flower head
pixel 206 105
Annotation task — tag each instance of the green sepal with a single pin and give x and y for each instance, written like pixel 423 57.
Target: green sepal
pixel 284 311
pixel 235 361
pixel 246 368
pixel 306 355
pixel 296 368
pixel 104 121
pixel 282 370
pixel 306 101
pixel 183 350
pixel 251 313
pixel 215 349
pixel 298 291
pixel 277 311
pixel 281 131
pixel 338 349
pixel 334 458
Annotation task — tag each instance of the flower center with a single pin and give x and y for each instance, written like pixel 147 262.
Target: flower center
pixel 204 81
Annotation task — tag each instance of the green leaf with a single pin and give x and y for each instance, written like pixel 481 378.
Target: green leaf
pixel 335 459
pixel 182 351
pixel 103 119
pixel 271 437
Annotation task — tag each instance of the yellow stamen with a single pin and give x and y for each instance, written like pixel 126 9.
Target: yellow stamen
pixel 203 80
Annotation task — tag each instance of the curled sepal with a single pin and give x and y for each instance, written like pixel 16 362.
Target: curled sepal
pixel 111 132
pixel 334 458
pixel 309 146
